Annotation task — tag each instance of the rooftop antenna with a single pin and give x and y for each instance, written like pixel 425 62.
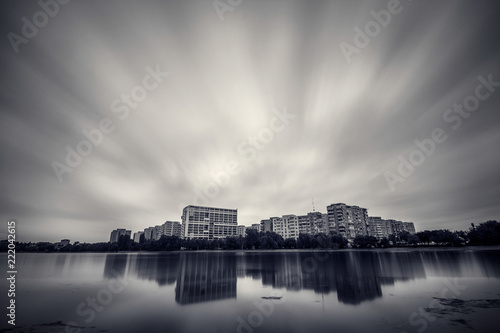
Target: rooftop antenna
pixel 313 205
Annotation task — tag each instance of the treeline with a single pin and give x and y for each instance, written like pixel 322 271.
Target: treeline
pixel 252 240
pixel 487 233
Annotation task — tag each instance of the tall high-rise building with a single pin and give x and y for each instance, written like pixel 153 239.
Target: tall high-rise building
pixel 304 223
pixel 320 222
pixel 209 222
pixel 240 230
pixel 378 227
pixel 172 228
pixel 148 233
pixel 396 227
pixel 381 228
pixel 409 227
pixel 256 226
pixel 137 236
pixel 286 226
pixel 115 234
pixel 266 225
pixel 341 219
pixel 348 221
pixel 169 228
pixel 290 226
pixel 157 232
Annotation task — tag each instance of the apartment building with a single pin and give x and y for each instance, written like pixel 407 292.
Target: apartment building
pixel 286 226
pixel 209 222
pixel 115 234
pixel 348 221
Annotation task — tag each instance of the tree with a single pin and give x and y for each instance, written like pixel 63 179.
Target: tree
pixel 114 247
pixel 234 243
pixel 124 242
pixel 487 233
pixel 340 241
pixel 305 241
pixel 278 239
pixel 267 242
pixel 403 236
pixel 364 241
pixel 384 242
pixel 290 243
pixel 424 236
pixel 442 236
pixel 252 239
pixel 413 239
pixel 169 243
pixel 44 247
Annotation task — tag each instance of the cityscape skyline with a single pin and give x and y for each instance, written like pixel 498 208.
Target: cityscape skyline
pixel 317 222
pixel 210 223
pixel 117 116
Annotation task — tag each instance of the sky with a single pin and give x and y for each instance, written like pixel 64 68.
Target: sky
pixel 117 114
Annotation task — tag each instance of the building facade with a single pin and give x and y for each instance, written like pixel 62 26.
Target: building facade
pixel 286 226
pixel 382 228
pixel 348 221
pixel 157 232
pixel 240 230
pixel 266 225
pixel 172 228
pixel 209 222
pixel 255 226
pixel 313 223
pixel 409 227
pixel 304 224
pixel 378 227
pixel 137 236
pixel 115 234
pixel 148 233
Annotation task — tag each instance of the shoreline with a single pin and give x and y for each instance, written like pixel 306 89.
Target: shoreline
pixel 385 249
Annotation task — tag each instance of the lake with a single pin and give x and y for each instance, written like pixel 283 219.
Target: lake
pixel 387 290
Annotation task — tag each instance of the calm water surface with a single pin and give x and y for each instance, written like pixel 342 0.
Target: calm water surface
pixel 287 291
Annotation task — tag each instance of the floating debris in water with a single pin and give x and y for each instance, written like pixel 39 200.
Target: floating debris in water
pixel 271 297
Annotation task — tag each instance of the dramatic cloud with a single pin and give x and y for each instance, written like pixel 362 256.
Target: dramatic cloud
pixel 231 84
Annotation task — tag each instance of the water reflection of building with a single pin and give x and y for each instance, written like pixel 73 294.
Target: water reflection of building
pixel 163 268
pixel 115 265
pixel 199 277
pixel 205 277
pixel 356 276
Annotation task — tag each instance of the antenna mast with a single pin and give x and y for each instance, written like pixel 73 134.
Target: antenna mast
pixel 313 205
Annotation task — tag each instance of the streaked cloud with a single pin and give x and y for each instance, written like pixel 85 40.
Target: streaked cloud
pixel 226 78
